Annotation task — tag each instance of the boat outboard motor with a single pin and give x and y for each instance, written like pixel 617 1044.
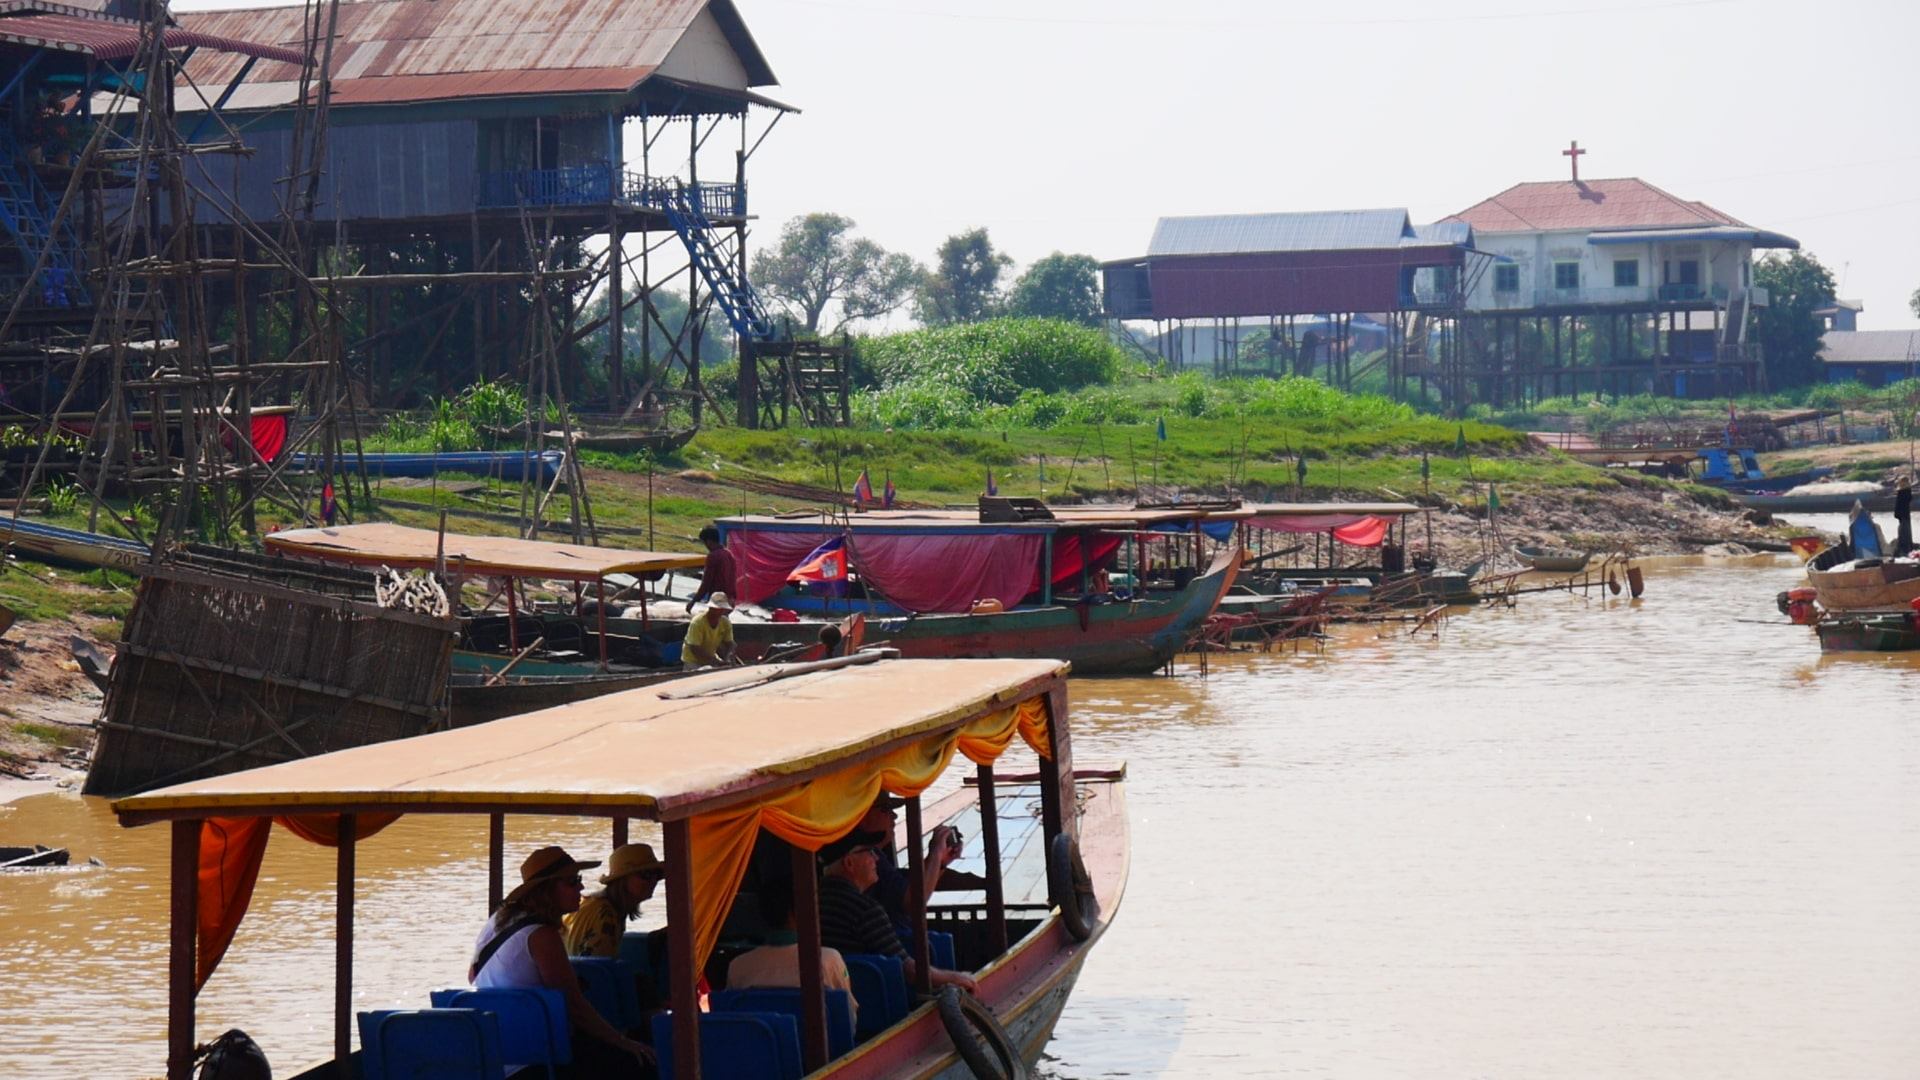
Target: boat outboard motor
pixel 234 1056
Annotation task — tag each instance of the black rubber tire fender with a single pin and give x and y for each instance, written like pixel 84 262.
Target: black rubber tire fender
pixel 1070 888
pixel 983 1044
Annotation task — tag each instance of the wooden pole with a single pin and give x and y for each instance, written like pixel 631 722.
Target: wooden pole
pixel 917 899
pixel 496 858
pixel 806 923
pixel 678 837
pixel 343 950
pixel 181 948
pixel 990 848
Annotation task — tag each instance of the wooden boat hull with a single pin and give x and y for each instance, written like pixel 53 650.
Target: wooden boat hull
pixel 1892 584
pixel 512 466
pixel 1552 561
pixel 658 441
pixel 475 702
pixel 1881 633
pixel 1135 638
pixel 71 547
pixel 1813 504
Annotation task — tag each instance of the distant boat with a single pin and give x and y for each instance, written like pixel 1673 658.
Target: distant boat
pixel 513 465
pixel 614 441
pixel 1871 584
pixel 1553 560
pixel 1816 499
pixel 27 858
pixel 1739 470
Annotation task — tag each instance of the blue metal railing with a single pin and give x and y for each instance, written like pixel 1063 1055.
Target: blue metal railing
pixel 26 214
pixel 713 200
pixel 575 185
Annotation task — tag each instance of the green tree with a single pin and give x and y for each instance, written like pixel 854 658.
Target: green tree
pixel 1914 303
pixel 1788 330
pixel 964 284
pixel 818 263
pixel 1065 287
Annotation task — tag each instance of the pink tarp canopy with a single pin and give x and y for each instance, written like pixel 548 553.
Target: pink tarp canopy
pixel 918 571
pixel 1357 530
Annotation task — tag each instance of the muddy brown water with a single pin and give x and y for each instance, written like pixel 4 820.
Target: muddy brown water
pixel 1577 838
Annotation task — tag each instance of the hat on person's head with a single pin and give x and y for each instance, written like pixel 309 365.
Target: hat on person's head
pixel 847 844
pixel 632 859
pixel 1905 481
pixel 719 602
pixel 546 864
pixel 888 801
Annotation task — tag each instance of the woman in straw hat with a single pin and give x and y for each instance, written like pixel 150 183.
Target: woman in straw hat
pixel 633 873
pixel 521 946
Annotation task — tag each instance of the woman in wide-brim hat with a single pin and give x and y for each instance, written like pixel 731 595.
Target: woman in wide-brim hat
pixel 633 873
pixel 521 946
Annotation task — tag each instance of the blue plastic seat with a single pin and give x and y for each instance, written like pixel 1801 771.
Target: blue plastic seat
pixel 430 1044
pixel 880 986
pixel 786 1000
pixel 533 1021
pixel 608 985
pixel 736 1045
pixel 940 950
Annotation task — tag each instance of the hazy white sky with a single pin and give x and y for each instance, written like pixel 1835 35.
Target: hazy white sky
pixel 1071 125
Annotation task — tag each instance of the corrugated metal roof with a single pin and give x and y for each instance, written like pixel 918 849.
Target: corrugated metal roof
pixel 1870 346
pixel 1447 233
pixel 1245 234
pixel 1628 203
pixel 106 39
pixel 394 51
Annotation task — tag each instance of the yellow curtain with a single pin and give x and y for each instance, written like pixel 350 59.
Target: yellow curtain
pixel 827 807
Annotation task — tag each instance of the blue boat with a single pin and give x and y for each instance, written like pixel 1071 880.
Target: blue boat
pixel 512 465
pixel 1739 470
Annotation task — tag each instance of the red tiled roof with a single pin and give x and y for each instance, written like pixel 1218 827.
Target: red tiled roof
pixel 1627 203
pixel 105 39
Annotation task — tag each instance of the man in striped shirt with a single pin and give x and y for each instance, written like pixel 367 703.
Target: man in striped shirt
pixel 853 922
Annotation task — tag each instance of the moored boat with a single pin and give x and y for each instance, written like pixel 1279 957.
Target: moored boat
pixel 1869 584
pixel 1888 632
pixel 1817 498
pixel 791 758
pixel 1553 560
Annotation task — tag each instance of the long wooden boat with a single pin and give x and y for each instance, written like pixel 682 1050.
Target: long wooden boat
pixel 477 697
pixel 1863 584
pixel 1816 503
pixel 708 759
pixel 1893 632
pixel 1553 560
pixel 509 465
pixel 1134 637
pixel 71 547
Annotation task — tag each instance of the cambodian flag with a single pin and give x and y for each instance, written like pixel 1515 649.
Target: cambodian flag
pixel 886 494
pixel 828 562
pixel 327 507
pixel 862 490
pixel 992 489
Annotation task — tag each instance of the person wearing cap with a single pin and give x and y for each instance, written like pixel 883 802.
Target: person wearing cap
pixel 521 946
pixel 717 575
pixel 853 922
pixel 943 846
pixel 633 873
pixel 709 637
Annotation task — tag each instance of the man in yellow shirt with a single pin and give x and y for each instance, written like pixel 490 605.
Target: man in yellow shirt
pixel 632 875
pixel 710 635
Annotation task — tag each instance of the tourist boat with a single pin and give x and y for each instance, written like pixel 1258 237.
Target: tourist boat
pixel 1888 632
pixel 514 661
pixel 1870 584
pixel 950 584
pixel 799 752
pixel 1553 560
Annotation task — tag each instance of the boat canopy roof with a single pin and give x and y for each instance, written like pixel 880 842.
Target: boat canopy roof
pixel 968 521
pixel 662 753
pixel 401 547
pixel 1383 509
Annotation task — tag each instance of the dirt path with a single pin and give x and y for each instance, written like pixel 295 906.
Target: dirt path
pixel 47 707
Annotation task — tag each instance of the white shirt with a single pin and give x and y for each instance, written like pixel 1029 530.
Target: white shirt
pixel 512 963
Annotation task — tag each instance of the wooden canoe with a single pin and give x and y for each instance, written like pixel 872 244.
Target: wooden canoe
pixel 1553 560
pixel 1868 633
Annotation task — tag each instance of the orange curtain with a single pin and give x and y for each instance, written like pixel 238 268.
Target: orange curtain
pixel 827 807
pixel 231 850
